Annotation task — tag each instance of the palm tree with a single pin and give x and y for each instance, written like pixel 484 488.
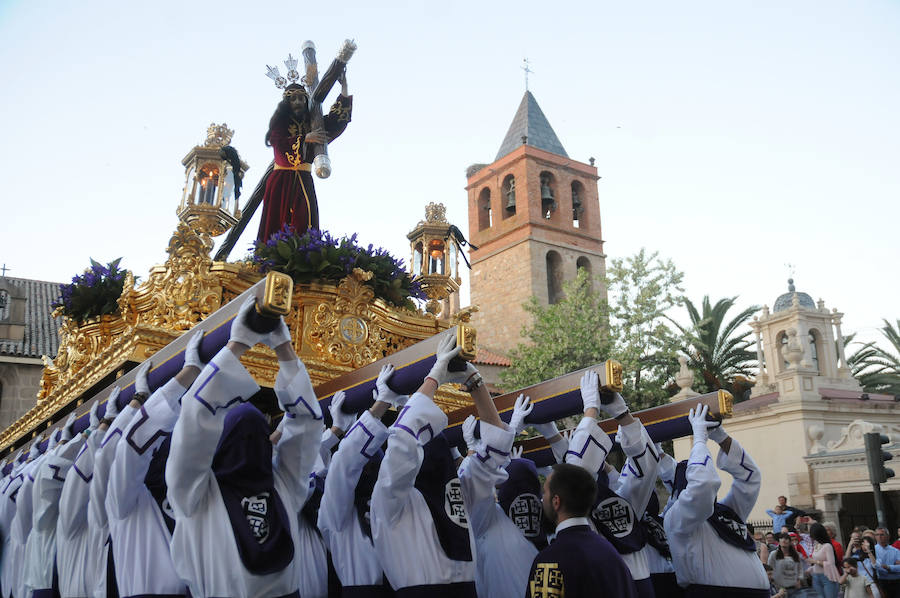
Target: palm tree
pixel 715 347
pixel 877 369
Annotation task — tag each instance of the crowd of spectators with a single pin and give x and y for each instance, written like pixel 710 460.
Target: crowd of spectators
pixel 804 558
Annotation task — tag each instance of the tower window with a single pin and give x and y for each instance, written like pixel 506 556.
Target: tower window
pixel 554 277
pixel 509 196
pixel 548 195
pixel 583 263
pixel 813 350
pixel 577 204
pixel 484 209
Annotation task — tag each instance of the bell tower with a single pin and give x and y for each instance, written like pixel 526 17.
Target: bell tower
pixel 534 214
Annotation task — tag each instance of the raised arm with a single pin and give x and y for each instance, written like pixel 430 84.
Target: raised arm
pixel 296 450
pixel 697 501
pixel 589 445
pixel 736 461
pixel 638 477
pixel 480 473
pixel 113 424
pixel 418 422
pixel 73 502
pixel 52 475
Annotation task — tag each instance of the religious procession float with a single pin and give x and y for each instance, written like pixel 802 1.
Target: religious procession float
pixel 350 309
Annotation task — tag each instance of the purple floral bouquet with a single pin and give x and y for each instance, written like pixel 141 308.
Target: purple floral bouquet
pixel 94 293
pixel 316 256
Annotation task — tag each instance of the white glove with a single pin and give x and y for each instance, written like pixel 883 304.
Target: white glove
pixel 339 419
pixel 67 431
pixel 590 390
pixel 468 432
pixel 384 392
pixel 548 430
pixel 616 407
pixel 462 377
pixel 521 409
pixel 192 350
pixel 516 452
pixel 141 384
pixel 240 331
pixel 697 417
pixel 95 415
pixel 279 336
pixel 718 434
pixel 53 440
pixel 446 351
pixel 112 408
pixel 34 452
pixel 454 452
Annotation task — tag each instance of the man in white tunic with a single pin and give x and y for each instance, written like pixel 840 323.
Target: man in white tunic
pixel 77 549
pixel 40 550
pixel 20 528
pixel 712 551
pixel 504 553
pixel 419 523
pixel 621 500
pixel 344 517
pixel 13 481
pixel 140 520
pixel 114 422
pixel 236 498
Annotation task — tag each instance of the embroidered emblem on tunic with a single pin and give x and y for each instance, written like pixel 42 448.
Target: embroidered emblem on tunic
pixel 525 512
pixel 547 581
pixel 616 515
pixel 738 528
pixel 255 510
pixel 453 503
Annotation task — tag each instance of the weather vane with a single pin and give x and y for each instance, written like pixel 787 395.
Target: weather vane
pixel 525 67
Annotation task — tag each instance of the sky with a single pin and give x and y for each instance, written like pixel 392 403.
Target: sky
pixel 732 137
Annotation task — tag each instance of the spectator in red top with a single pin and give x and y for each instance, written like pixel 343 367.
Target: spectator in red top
pixel 897 543
pixel 832 532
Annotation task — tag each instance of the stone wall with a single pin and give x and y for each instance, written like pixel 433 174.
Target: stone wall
pixel 19 383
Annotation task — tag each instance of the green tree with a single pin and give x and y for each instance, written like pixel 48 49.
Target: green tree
pixel 583 329
pixel 716 348
pixel 643 289
pixel 878 369
pixel 564 337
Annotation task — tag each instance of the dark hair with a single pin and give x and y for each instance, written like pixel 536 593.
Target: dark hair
pixel 871 542
pixel 575 487
pixel 852 561
pixel 791 551
pixel 767 567
pixel 282 113
pixel 818 533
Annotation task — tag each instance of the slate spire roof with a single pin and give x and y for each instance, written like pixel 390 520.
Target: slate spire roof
pixel 530 122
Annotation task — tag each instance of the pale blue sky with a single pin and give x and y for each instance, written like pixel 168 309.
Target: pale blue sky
pixel 733 137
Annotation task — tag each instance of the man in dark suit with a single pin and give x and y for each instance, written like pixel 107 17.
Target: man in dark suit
pixel 579 563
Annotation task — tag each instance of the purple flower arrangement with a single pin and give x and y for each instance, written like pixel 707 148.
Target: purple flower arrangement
pixel 94 293
pixel 316 256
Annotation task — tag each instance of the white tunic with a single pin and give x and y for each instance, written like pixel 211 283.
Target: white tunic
pixel 504 553
pixel 21 528
pixel 140 538
pixel 403 531
pixel 589 448
pixel 204 549
pixel 77 549
pixel 40 549
pixel 699 555
pixel 11 486
pixel 352 551
pixel 98 522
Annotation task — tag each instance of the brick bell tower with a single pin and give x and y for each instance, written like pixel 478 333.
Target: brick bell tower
pixel 534 214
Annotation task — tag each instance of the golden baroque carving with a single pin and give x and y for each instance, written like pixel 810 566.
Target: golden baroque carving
pixel 345 331
pixel 182 292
